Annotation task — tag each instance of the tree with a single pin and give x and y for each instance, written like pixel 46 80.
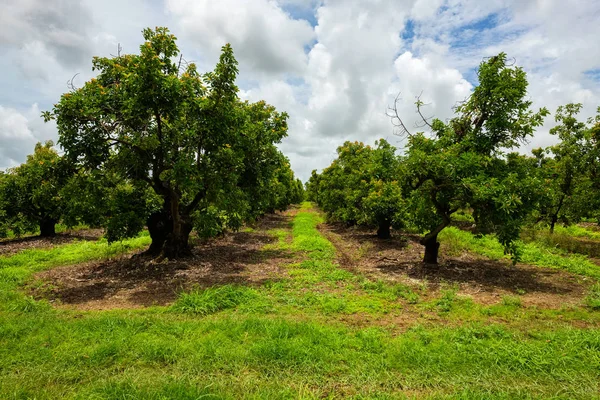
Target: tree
pixel 32 193
pixel 361 186
pixel 462 164
pixel 171 132
pixel 568 170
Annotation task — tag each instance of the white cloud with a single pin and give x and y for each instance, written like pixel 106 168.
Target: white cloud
pixel 334 66
pixel 19 132
pixel 264 37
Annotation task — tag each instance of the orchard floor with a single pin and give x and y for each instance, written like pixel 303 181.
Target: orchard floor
pixel 13 246
pixel 241 258
pixel 485 281
pixel 135 282
pixel 294 308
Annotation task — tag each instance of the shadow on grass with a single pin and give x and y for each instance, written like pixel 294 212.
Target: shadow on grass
pixel 487 274
pixel 237 258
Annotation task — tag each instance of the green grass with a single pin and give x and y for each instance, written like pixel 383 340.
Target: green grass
pixel 454 241
pixel 577 231
pixel 290 338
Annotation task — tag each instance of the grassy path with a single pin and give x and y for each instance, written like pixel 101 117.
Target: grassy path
pixel 284 340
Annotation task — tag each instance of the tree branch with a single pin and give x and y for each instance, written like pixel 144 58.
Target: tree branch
pixel 425 120
pixel 397 121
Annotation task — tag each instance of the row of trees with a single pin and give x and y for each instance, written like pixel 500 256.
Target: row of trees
pixel 466 163
pixel 152 142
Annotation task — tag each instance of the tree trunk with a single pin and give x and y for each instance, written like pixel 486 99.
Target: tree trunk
pixel 47 227
pixel 432 247
pixel 176 244
pixel 159 228
pixel 383 232
pixel 170 232
pixel 554 218
pixel 552 223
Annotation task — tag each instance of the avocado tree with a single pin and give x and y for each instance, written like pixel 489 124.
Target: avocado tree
pixel 562 167
pixel 461 164
pixel 169 131
pixel 361 186
pixel 31 194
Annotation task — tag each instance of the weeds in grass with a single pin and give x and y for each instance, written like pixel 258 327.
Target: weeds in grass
pixel 572 239
pixel 446 301
pixel 511 301
pixel 455 241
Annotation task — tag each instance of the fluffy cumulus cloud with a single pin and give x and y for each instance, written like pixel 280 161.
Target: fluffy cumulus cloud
pixel 334 66
pixel 19 132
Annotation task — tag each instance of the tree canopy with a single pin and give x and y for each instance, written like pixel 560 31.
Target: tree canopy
pixel 183 142
pixel 361 186
pixel 31 196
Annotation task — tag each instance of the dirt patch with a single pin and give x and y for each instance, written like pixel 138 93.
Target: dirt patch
pixel 486 281
pixel 134 282
pixel 10 247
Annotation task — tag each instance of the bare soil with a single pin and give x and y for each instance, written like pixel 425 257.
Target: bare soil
pixel 241 258
pixel 10 247
pixel 134 282
pixel 486 281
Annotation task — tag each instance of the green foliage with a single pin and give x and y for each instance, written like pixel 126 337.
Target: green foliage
pixel 180 136
pixel 462 164
pixel 569 170
pixel 31 196
pixel 361 187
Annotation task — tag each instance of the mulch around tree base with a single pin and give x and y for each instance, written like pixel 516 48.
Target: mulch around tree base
pixel 134 282
pixel 486 281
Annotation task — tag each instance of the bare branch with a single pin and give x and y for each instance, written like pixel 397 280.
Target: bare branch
pixel 179 65
pixel 425 120
pixel 70 83
pixel 397 121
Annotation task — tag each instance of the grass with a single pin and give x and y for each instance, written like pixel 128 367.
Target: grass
pixel 454 241
pixel 292 338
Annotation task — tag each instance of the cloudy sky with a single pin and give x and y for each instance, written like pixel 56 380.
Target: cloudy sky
pixel 334 66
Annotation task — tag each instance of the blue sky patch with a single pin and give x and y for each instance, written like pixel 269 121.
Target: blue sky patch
pixel 298 12
pixel 593 74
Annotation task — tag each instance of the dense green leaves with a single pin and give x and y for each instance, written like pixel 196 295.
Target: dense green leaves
pixel 31 195
pixel 183 137
pixel 361 187
pixel 459 164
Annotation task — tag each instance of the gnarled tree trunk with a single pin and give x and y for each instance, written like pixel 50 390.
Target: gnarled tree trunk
pixel 170 231
pixel 159 227
pixel 432 246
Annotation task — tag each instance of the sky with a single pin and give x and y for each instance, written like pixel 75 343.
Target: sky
pixel 333 65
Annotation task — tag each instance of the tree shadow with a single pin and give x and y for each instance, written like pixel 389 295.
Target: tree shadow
pixel 487 274
pixel 237 258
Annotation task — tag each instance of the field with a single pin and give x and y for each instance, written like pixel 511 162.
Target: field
pixel 296 308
